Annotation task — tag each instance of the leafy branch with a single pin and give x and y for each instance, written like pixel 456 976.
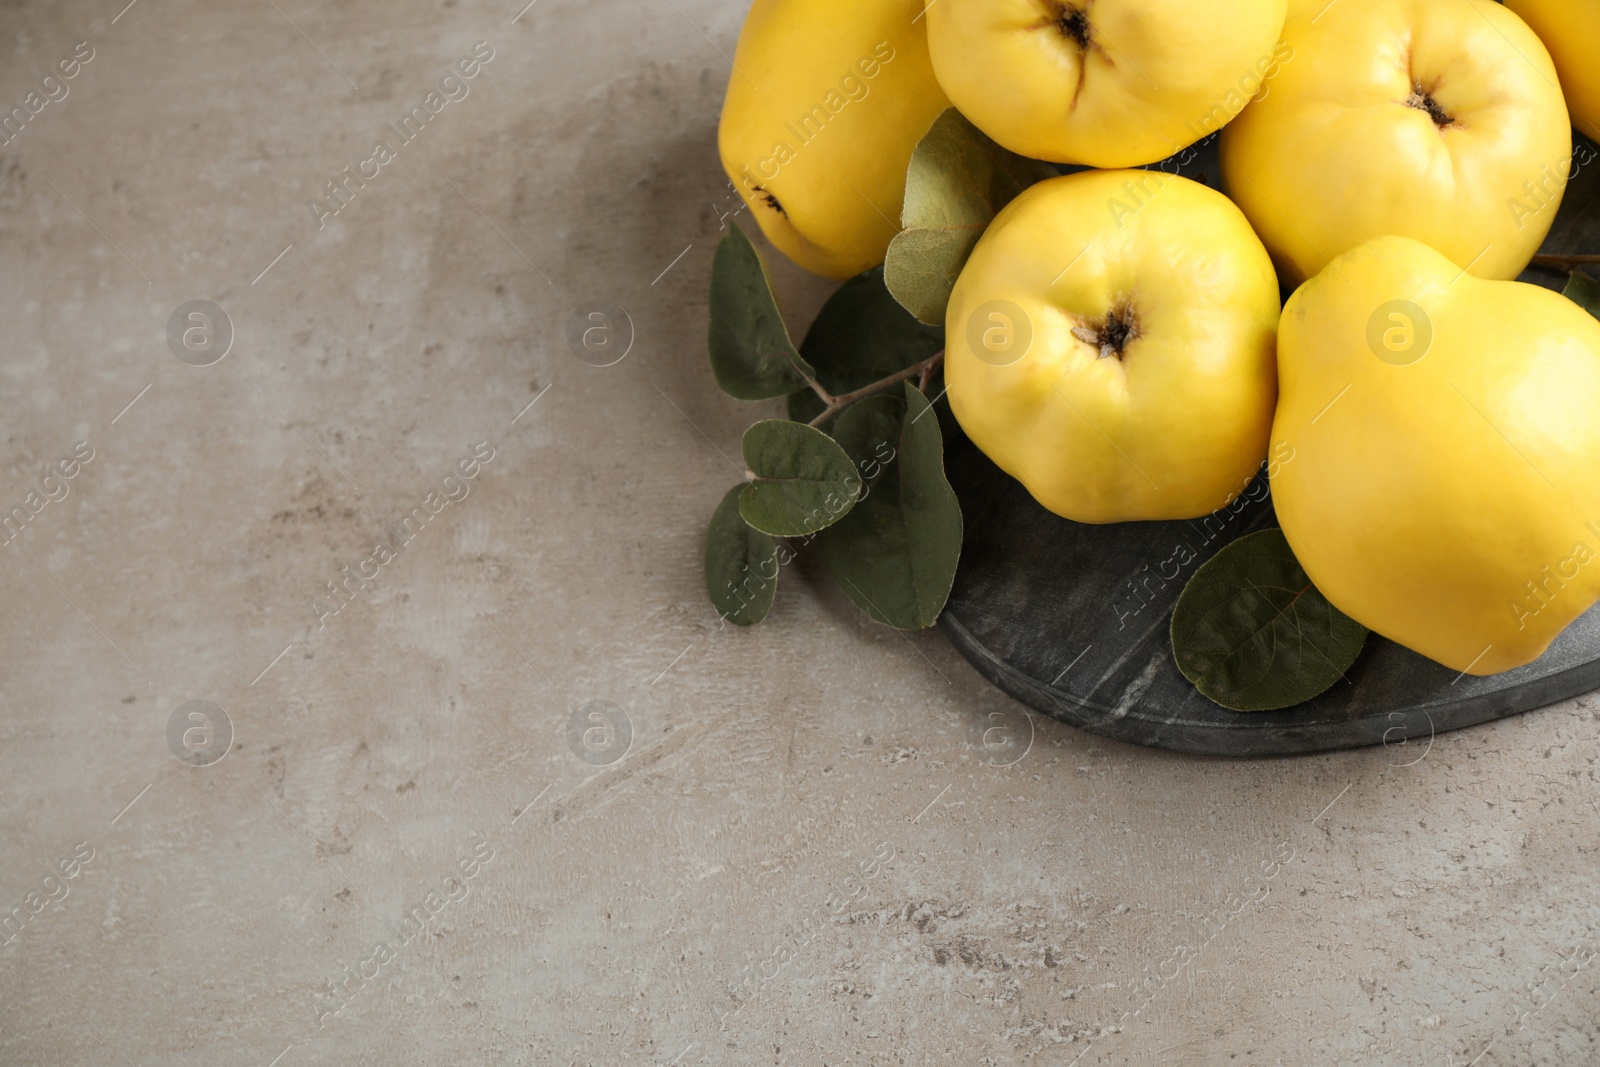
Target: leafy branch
pixel 854 467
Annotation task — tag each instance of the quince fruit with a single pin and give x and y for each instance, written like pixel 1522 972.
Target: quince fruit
pixel 825 104
pixel 1110 344
pixel 1440 120
pixel 1108 83
pixel 1444 489
pixel 1570 29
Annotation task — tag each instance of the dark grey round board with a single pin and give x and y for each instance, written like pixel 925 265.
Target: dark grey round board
pixel 1072 619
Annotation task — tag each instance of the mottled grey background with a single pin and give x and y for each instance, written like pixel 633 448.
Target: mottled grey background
pixel 805 855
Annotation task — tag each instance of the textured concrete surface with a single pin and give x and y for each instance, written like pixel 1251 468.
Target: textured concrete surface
pixel 803 856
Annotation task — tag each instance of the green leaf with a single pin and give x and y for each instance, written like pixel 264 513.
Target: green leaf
pixel 895 554
pixel 1583 291
pixel 1252 632
pixel 860 336
pixel 804 481
pixel 741 564
pixel 751 354
pixel 958 180
pixel 939 396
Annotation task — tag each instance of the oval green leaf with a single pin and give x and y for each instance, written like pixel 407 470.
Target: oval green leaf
pixel 804 481
pixel 895 553
pixel 752 356
pixel 741 564
pixel 1253 634
pixel 957 181
pixel 861 335
pixel 941 404
pixel 1583 291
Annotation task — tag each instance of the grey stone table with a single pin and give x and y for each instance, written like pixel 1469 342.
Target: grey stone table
pixel 818 841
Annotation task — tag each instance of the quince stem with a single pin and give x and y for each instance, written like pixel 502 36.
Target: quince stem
pixel 837 404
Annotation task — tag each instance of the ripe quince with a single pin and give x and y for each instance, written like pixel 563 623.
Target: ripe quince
pixel 1570 29
pixel 1110 344
pixel 1440 120
pixel 826 101
pixel 1444 489
pixel 1108 83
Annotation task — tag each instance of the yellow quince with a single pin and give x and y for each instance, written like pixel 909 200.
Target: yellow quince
pixel 1438 119
pixel 825 104
pixel 1108 83
pixel 1571 30
pixel 1110 344
pixel 1445 485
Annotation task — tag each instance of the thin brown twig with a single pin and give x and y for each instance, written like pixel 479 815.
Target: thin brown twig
pixel 1565 261
pixel 816 387
pixel 839 403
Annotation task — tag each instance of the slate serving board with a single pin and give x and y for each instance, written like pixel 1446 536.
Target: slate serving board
pixel 1072 619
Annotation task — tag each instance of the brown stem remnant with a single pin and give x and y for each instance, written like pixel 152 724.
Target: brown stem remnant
pixel 1422 99
pixel 1073 22
pixel 771 200
pixel 1113 336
